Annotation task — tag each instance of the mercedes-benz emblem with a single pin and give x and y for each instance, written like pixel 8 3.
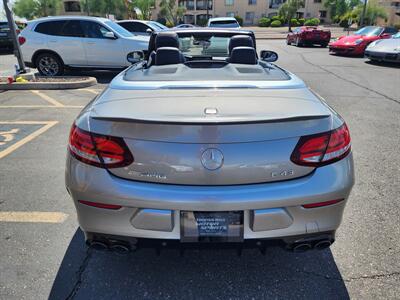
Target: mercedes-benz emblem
pixel 212 159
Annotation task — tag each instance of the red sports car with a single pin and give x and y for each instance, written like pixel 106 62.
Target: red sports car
pixel 356 43
pixel 309 35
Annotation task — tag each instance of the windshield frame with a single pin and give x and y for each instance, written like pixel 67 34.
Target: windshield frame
pixel 369 31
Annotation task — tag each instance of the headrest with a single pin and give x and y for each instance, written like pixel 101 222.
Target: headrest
pixel 240 41
pixel 167 39
pixel 243 55
pixel 168 56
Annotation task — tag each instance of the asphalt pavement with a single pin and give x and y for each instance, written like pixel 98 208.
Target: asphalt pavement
pixel 42 251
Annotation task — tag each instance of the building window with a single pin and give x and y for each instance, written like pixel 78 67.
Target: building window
pixel 322 13
pixel 275 4
pixel 188 4
pixel 230 14
pixel 229 2
pixel 317 1
pixel 250 17
pixel 252 2
pixel 202 4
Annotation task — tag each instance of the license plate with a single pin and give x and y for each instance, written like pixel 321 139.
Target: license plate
pixel 225 226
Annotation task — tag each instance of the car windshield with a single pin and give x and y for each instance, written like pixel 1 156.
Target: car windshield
pixel 204 46
pixel 396 36
pixel 157 25
pixel 369 31
pixel 118 29
pixel 224 24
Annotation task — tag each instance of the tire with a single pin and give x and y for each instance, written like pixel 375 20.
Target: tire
pixel 324 45
pixel 49 64
pixel 299 43
pixel 287 41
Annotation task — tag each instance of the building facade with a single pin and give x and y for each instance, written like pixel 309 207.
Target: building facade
pixel 250 10
pixel 392 8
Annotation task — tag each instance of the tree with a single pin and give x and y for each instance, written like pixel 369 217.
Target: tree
pixel 372 13
pixel 36 8
pixel 338 8
pixel 289 9
pixel 145 7
pixel 170 12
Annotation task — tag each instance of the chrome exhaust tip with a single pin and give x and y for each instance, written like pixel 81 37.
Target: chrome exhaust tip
pixel 98 245
pixel 120 248
pixel 322 244
pixel 302 247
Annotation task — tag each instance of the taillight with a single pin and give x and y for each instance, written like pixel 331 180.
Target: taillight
pixel 100 205
pixel 322 149
pixel 321 204
pixel 99 150
pixel 21 40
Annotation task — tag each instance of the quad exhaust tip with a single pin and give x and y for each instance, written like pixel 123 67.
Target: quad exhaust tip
pixel 118 247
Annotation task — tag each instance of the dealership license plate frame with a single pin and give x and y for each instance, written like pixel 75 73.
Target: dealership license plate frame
pixel 211 226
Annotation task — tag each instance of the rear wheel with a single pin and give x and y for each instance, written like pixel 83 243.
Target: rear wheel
pixel 299 43
pixel 49 64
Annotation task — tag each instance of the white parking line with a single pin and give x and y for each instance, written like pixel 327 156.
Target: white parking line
pixel 49 99
pixel 32 217
pixel 13 147
pixel 95 92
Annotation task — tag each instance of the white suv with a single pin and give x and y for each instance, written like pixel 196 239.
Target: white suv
pixel 54 43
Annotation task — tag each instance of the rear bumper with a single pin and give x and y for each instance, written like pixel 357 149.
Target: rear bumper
pixel 271 210
pixel 382 56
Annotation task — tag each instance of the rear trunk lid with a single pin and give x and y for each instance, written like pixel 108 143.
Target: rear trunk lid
pixel 212 136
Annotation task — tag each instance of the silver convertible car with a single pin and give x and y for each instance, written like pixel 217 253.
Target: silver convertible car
pixel 203 142
pixel 387 50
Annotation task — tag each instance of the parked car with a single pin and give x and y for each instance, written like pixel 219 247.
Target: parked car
pixel 141 27
pixel 53 44
pixel 193 147
pixel 308 35
pixel 186 26
pixel 223 22
pixel 356 43
pixel 385 50
pixel 6 42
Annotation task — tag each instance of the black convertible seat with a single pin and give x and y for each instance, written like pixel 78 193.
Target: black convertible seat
pixel 240 41
pixel 243 55
pixel 168 56
pixel 167 39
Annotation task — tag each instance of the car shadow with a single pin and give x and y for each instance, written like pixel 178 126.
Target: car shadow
pixel 102 76
pixel 383 64
pixel 200 274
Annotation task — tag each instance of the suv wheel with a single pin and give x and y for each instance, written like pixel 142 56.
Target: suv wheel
pixel 49 64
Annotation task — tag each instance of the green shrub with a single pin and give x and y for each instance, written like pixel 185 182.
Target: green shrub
pixel 239 19
pixel 294 22
pixel 169 24
pixel 278 18
pixel 264 22
pixel 276 23
pixel 301 21
pixel 312 22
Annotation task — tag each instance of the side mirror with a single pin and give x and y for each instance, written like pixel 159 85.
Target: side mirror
pixel 149 31
pixel 110 35
pixel 386 36
pixel 135 57
pixel 268 56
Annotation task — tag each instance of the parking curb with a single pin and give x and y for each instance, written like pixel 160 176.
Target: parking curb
pixel 89 81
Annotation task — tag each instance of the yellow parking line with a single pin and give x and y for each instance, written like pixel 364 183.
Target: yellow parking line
pixel 28 138
pixel 48 99
pixel 32 217
pixel 91 91
pixel 41 106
